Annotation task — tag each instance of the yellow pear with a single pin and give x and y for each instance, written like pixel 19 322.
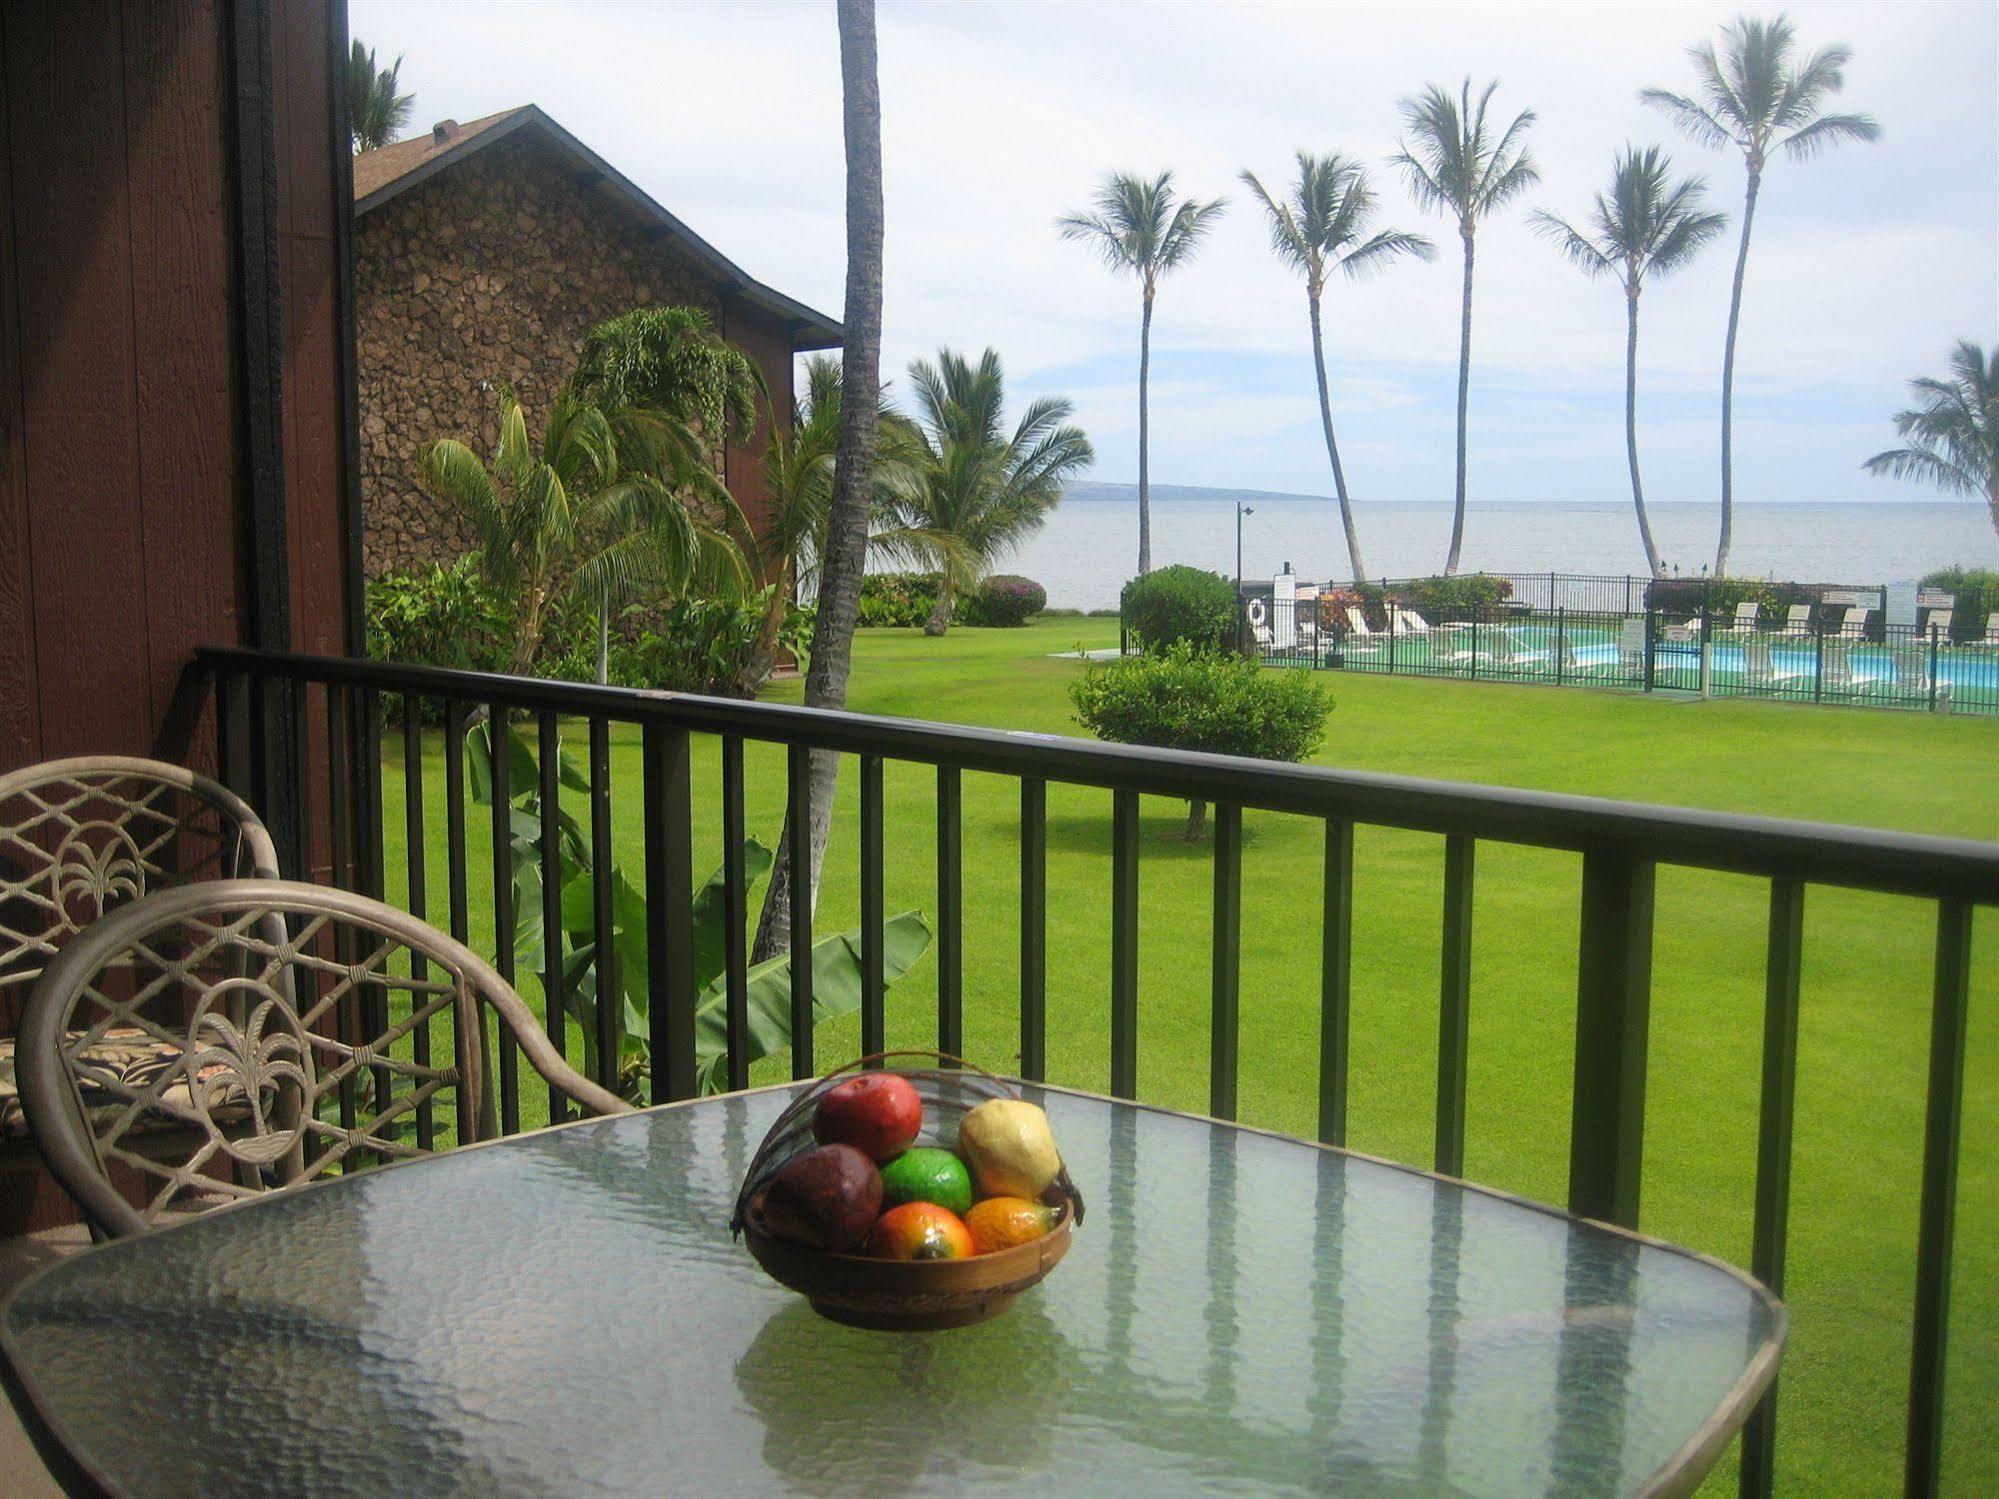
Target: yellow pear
pixel 1010 1148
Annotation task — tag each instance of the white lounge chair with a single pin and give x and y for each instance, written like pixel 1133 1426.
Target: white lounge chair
pixel 1938 623
pixel 1761 668
pixel 1407 621
pixel 1990 640
pixel 1797 623
pixel 1745 619
pixel 1853 625
pixel 1360 637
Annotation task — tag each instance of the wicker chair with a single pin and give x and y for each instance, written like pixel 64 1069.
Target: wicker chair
pixel 81 837
pixel 282 1059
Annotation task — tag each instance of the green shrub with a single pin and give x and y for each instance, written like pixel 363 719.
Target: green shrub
pixel 897 600
pixel 1181 604
pixel 1465 598
pixel 1187 699
pixel 1685 596
pixel 708 645
pixel 1003 600
pixel 1976 590
pixel 434 616
pixel 1105 614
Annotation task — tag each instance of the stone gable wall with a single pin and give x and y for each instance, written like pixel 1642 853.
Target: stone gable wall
pixel 491 272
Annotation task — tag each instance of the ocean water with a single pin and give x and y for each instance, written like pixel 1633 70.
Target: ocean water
pixel 1089 547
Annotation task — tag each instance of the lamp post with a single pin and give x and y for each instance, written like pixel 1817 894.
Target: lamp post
pixel 1240 511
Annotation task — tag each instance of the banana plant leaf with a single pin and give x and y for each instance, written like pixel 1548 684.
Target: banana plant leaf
pixel 836 960
pixel 836 990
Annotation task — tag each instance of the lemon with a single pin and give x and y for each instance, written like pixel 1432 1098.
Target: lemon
pixel 1010 1148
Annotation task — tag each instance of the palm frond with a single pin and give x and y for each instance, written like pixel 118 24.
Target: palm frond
pixel 1829 130
pixel 1574 245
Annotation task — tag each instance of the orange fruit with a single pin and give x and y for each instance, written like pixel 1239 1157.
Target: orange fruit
pixel 1002 1222
pixel 920 1231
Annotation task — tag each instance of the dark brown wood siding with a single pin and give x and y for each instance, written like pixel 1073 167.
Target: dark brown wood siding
pixel 124 519
pixel 766 340
pixel 127 521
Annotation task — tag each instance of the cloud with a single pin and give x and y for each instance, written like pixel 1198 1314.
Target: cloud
pixel 1864 267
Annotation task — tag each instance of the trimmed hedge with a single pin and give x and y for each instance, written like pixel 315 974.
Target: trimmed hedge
pixel 1181 604
pixel 904 601
pixel 1976 590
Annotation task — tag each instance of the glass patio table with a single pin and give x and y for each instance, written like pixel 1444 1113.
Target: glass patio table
pixel 564 1313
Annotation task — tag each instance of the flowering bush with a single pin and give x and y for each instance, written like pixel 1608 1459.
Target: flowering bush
pixel 1004 600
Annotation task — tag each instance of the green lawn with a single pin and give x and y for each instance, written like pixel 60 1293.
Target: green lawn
pixel 1862 1051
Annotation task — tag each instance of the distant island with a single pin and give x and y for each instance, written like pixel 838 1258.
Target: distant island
pixel 1092 490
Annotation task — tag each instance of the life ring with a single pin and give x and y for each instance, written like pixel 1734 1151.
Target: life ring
pixel 1258 612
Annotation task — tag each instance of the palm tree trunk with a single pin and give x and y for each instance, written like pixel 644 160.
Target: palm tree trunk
pixel 1464 393
pixel 854 463
pixel 603 634
pixel 1992 502
pixel 1144 475
pixel 1728 383
pixel 1631 429
pixel 940 616
pixel 1332 447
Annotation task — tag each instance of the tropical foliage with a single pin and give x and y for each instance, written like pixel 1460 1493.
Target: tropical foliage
pixel 598 510
pixel 670 359
pixel 1461 165
pixel 1951 435
pixel 1758 96
pixel 1320 226
pixel 1646 225
pixel 836 960
pixel 1185 698
pixel 1142 227
pixel 983 488
pixel 376 113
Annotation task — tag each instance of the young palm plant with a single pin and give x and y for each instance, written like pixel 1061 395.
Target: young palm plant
pixel 983 491
pixel 1141 226
pixel 1460 166
pixel 599 511
pixel 1756 97
pixel 1952 434
pixel 376 113
pixel 1648 225
pixel 1321 226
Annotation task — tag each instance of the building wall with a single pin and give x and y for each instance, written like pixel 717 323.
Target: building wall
pixel 128 526
pixel 489 273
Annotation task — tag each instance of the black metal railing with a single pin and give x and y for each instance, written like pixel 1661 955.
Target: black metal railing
pixel 265 701
pixel 1835 655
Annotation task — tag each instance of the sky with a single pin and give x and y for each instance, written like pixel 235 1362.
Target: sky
pixel 1866 264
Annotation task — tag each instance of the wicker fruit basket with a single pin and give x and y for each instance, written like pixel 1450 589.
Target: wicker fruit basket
pixel 912 1295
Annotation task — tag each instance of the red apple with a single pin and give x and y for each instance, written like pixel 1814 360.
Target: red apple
pixel 878 1113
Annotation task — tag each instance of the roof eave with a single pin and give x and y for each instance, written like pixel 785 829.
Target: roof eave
pixel 806 327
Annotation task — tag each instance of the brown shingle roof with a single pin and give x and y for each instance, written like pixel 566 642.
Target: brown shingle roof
pixel 388 171
pixel 375 170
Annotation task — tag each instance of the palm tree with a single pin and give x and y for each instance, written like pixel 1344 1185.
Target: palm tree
pixel 798 466
pixel 1755 98
pixel 1457 165
pixel 984 490
pixel 1324 224
pixel 1953 433
pixel 1140 227
pixel 375 111
pixel 844 558
pixel 1648 225
pixel 598 512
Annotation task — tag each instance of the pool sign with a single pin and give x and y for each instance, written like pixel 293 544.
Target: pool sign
pixel 1853 598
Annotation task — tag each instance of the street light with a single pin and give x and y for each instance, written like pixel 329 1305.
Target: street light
pixel 1240 511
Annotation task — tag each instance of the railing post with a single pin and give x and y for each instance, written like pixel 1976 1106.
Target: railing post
pixel 1613 1003
pixel 1561 642
pixel 1226 960
pixel 735 916
pixel 1454 1006
pixel 1773 1151
pixel 1933 665
pixel 950 911
pixel 874 958
pixel 1938 1215
pixel 1033 928
pixel 499 769
pixel 669 861
pixel 798 831
pixel 1124 944
pixel 1335 981
pixel 1818 666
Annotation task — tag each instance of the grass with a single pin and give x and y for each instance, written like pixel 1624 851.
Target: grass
pixel 1864 1033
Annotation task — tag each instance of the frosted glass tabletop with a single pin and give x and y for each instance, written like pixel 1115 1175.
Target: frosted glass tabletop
pixel 565 1313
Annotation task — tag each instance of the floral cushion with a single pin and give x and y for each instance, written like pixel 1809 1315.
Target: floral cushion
pixel 122 1059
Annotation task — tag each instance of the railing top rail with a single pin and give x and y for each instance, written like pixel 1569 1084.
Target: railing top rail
pixel 1824 853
